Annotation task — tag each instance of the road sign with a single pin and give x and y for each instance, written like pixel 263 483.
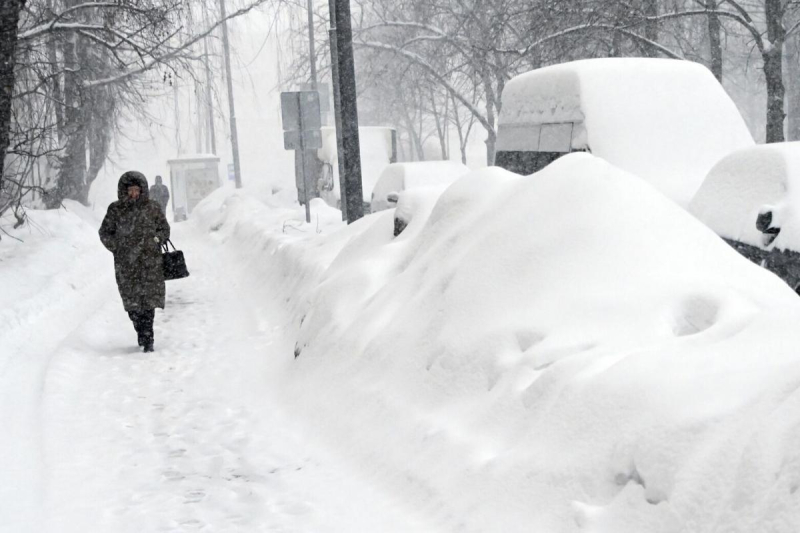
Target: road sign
pixel 300 110
pixel 308 140
pixel 301 123
pixel 324 91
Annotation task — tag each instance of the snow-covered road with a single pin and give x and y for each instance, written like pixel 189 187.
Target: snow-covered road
pixel 191 437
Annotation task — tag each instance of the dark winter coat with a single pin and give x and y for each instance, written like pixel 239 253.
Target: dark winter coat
pixel 160 194
pixel 132 231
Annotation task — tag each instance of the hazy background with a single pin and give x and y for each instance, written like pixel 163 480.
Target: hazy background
pixel 257 55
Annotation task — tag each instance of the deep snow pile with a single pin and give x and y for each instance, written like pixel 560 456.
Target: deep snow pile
pixel 665 120
pixel 51 271
pixel 568 351
pixel 58 248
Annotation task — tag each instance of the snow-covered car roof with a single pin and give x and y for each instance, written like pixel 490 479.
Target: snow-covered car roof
pixel 399 177
pixel 740 185
pixel 667 121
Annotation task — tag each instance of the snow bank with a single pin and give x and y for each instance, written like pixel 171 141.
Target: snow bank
pixel 742 184
pixel 399 177
pixel 565 352
pixel 667 121
pixel 52 271
pixel 46 259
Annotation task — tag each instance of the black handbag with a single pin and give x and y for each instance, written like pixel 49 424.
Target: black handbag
pixel 173 262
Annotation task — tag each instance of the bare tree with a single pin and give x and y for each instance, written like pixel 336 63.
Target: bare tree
pixel 9 19
pixel 82 66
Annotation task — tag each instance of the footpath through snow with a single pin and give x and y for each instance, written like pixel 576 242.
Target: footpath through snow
pixel 99 437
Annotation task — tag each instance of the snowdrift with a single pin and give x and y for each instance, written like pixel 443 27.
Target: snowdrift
pixel 52 271
pixel 564 352
pixel 48 266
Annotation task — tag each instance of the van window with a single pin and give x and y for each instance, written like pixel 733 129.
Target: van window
pixel 525 162
pixel 556 137
pixel 528 148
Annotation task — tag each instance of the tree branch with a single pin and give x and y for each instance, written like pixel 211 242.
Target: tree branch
pixel 420 61
pixel 175 52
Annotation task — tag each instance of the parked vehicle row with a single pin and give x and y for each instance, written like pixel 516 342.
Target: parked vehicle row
pixel 667 121
pixel 672 124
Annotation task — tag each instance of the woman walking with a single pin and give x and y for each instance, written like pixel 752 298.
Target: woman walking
pixel 133 230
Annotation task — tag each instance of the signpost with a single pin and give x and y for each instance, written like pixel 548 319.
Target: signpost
pixel 300 112
pixel 324 91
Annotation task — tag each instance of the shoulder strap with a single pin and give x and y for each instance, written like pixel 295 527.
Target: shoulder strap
pixel 167 244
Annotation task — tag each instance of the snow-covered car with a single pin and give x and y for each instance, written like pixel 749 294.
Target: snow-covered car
pixel 666 121
pixel 378 147
pixel 415 205
pixel 399 177
pixel 751 198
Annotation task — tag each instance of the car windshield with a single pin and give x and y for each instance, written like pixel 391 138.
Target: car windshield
pixel 525 162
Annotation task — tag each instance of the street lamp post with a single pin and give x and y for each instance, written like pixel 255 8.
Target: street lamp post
pixel 234 134
pixel 347 123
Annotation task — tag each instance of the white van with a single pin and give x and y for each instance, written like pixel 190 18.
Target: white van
pixel 665 120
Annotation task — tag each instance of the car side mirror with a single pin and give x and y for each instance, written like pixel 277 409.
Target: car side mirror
pixel 392 197
pixel 764 223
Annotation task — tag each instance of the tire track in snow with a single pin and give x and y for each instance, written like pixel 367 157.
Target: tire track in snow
pixel 32 331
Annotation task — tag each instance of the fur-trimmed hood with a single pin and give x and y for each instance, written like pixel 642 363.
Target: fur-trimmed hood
pixel 130 178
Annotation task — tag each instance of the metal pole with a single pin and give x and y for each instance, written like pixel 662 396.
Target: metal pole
pixel 199 133
pixel 212 136
pixel 234 135
pixel 177 116
pixel 310 156
pixel 306 194
pixel 349 111
pixel 337 106
pixel 311 51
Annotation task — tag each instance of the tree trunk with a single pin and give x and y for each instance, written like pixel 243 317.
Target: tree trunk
pixel 439 122
pixel 401 151
pixel 616 44
pixel 491 137
pixel 9 19
pixel 462 145
pixel 413 138
pixel 714 40
pixel 71 181
pixel 52 56
pixel 99 135
pixel 650 8
pixel 793 89
pixel 773 70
